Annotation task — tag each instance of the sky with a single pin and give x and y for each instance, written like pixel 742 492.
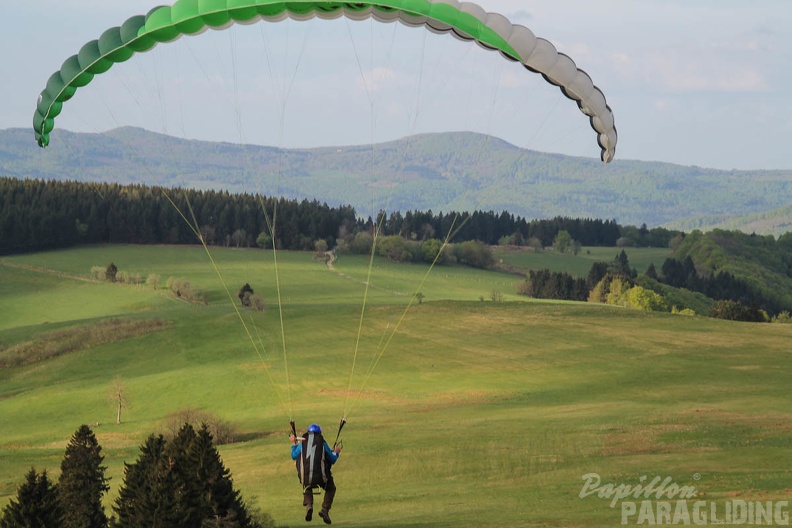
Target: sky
pixel 691 82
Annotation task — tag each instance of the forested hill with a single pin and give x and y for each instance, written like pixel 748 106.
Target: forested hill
pixel 441 172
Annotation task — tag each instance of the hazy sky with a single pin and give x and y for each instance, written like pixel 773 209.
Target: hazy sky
pixel 694 82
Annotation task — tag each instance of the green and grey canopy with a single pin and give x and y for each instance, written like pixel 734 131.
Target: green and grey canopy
pixel 464 20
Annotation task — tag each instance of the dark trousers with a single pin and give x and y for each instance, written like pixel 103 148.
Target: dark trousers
pixel 327 502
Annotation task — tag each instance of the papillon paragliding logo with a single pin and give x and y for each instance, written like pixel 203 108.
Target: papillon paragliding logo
pixel 662 501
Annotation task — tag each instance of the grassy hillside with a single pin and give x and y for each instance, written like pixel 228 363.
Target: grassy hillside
pixel 762 262
pixel 580 264
pixel 478 414
pixel 774 222
pixel 442 172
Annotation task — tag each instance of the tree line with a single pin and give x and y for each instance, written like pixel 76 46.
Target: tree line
pixel 178 481
pixel 678 287
pixel 38 215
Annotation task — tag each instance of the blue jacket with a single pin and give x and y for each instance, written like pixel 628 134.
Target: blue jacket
pixel 330 456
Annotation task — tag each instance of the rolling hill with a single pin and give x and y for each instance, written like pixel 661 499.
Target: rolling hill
pixel 441 172
pixel 479 414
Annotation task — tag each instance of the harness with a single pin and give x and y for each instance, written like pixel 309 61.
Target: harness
pixel 312 468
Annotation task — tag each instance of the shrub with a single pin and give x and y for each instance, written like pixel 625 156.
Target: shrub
pixel 181 287
pixel 618 292
pixel 474 253
pixel 735 311
pixel 394 248
pixel 257 302
pixel 110 272
pixel 264 240
pixel 647 300
pixel 244 294
pixel 98 273
pixel 362 243
pixel 430 249
pixel 153 280
pixel 783 318
pixel 222 431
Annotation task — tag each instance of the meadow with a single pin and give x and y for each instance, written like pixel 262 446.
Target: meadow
pixel 476 413
pixel 580 264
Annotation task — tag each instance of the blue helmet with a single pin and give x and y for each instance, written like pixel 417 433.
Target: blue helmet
pixel 314 428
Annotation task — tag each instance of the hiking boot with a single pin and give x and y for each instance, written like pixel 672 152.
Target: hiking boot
pixel 309 513
pixel 325 515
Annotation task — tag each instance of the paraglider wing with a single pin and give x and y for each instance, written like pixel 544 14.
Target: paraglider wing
pixel 465 20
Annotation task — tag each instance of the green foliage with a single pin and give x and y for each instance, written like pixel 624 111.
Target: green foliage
pixel 111 272
pixel 599 293
pixel 430 250
pixel 651 271
pixel 82 482
pixel 362 243
pixel 646 300
pixel 264 240
pixel 474 253
pixel 783 318
pixel 620 291
pixel 761 263
pixel 36 504
pixel 617 291
pixel 683 311
pixel 180 482
pixel 394 248
pixel 244 294
pixel 546 284
pixel 735 311
pixel 563 242
pixel 678 298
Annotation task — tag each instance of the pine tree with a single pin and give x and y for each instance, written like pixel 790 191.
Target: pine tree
pixel 82 482
pixel 651 272
pixel 145 498
pixel 222 500
pixel 36 505
pixel 181 482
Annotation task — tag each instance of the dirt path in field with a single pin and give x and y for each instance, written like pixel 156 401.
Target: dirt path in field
pixel 331 258
pixel 38 269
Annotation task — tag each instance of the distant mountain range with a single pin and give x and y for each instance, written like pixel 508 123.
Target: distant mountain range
pixel 441 172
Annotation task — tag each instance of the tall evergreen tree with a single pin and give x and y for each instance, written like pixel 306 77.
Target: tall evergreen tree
pixel 82 482
pixel 181 482
pixel 145 499
pixel 222 501
pixel 36 504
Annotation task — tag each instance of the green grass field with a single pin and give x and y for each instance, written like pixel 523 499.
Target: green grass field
pixel 580 264
pixel 478 413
